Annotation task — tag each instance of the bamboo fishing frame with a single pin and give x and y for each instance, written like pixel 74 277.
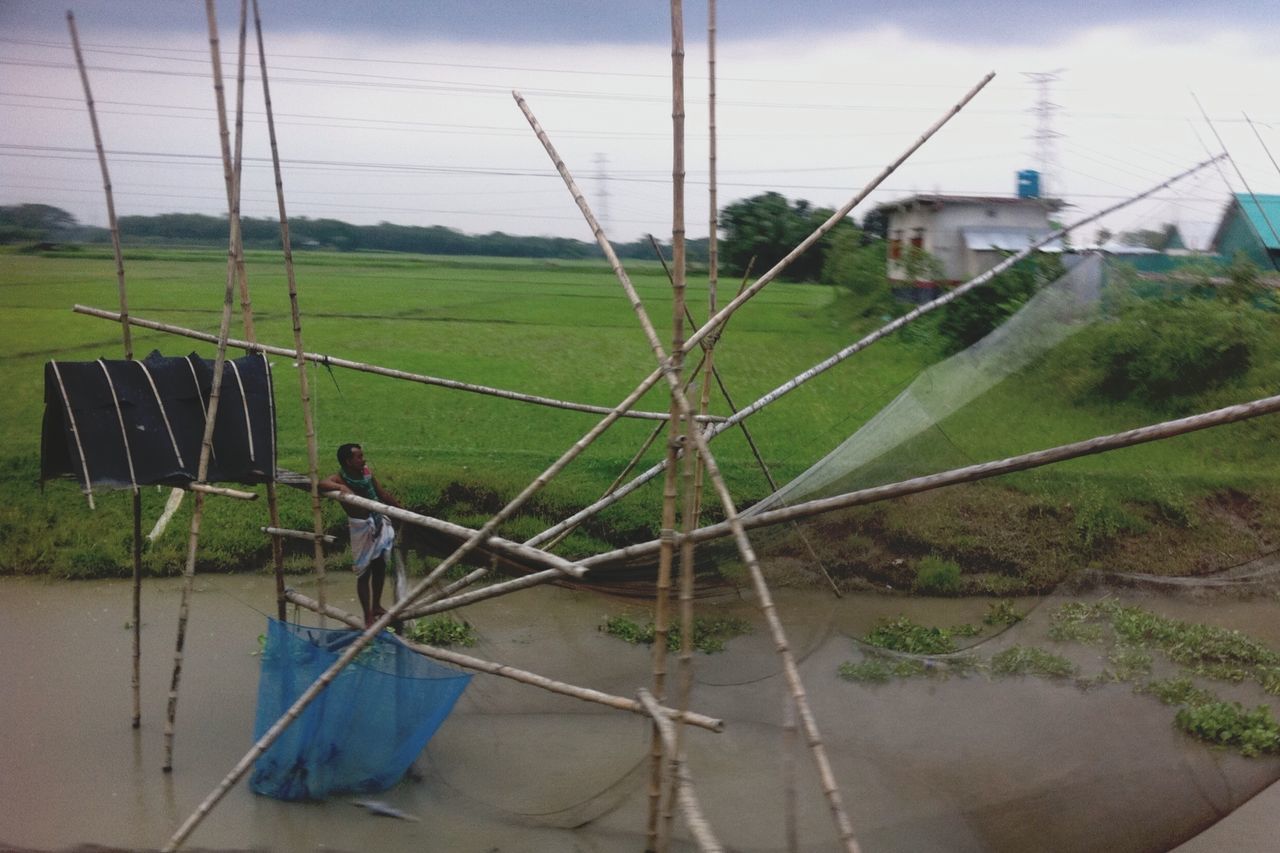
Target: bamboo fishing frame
pixel 717 320
pixel 767 608
pixel 682 429
pixel 126 334
pixel 335 361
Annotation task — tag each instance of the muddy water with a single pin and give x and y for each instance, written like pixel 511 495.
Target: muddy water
pixel 957 764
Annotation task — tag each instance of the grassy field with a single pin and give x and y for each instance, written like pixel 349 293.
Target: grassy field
pixel 564 330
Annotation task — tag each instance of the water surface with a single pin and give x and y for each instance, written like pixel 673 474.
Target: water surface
pixel 953 764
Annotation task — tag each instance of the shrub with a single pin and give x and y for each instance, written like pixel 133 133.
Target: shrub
pixel 1163 353
pixel 937 576
pixel 1100 519
pixel 971 317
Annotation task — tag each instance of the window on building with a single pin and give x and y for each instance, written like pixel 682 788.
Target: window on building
pixel 895 246
pixel 917 238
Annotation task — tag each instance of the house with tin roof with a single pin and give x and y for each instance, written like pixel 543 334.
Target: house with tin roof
pixel 1250 225
pixel 966 234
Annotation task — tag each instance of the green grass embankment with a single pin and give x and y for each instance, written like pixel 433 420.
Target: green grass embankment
pixel 565 330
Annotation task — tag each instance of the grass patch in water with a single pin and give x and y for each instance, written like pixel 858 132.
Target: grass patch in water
pixel 1251 732
pixel 1205 650
pixel 1028 660
pixel 879 670
pixel 1001 613
pixel 1127 663
pixel 1177 691
pixel 900 634
pixel 443 630
pixel 709 634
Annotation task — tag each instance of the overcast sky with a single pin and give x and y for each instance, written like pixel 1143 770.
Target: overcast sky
pixel 401 111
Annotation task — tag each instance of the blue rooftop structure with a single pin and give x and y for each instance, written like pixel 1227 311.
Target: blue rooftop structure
pixel 1251 225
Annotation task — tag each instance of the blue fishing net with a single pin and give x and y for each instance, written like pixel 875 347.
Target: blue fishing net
pixel 360 734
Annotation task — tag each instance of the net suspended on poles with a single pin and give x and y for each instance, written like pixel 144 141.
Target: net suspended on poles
pixel 889 446
pixel 362 733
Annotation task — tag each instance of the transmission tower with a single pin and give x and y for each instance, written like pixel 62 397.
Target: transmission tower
pixel 602 178
pixel 1044 109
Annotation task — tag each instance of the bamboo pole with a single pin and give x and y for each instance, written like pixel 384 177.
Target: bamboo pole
pixel 124 433
pixel 298 353
pixel 164 415
pixel 206 489
pixel 967 474
pixel 112 222
pixel 75 433
pixel 1261 141
pixel 334 361
pixel 693 461
pixel 307 535
pixel 233 183
pixel 767 608
pixel 790 823
pixel 206 446
pixel 698 826
pixel 127 338
pixel 475 664
pixel 660 813
pixel 246 314
pixel 858 346
pixel 515 549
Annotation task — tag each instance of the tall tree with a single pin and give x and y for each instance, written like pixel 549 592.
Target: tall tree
pixel 766 227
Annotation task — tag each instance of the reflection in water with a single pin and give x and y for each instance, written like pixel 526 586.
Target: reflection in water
pixel 959 763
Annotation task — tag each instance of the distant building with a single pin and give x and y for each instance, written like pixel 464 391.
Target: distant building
pixel 1250 226
pixel 966 234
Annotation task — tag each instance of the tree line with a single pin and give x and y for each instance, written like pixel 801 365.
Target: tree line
pixel 40 223
pixel 760 230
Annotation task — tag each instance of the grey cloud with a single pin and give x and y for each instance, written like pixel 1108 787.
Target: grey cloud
pixel 605 21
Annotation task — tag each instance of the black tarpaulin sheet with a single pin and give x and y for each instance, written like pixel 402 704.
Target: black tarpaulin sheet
pixel 162 405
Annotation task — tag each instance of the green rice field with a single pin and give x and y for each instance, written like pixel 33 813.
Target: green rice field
pixel 562 329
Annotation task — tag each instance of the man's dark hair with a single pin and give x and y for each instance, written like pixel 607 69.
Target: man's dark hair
pixel 345 452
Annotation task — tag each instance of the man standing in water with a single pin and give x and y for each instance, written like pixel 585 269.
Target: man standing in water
pixel 372 536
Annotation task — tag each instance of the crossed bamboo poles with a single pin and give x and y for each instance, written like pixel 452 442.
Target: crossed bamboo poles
pixel 682 413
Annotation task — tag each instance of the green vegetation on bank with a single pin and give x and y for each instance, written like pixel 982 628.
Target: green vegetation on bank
pixel 1128 639
pixel 709 634
pixel 563 329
